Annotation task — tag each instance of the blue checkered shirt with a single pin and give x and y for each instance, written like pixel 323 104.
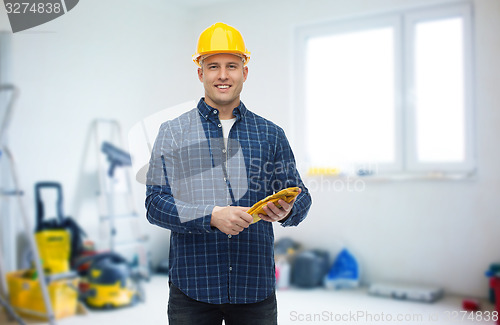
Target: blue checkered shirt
pixel 206 264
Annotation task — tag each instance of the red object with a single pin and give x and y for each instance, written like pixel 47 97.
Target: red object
pixel 495 285
pixel 85 266
pixel 470 305
pixel 83 286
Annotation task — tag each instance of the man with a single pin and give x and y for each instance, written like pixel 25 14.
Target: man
pixel 208 166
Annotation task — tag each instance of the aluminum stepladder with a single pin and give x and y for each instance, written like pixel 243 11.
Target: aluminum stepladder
pixel 111 189
pixel 17 193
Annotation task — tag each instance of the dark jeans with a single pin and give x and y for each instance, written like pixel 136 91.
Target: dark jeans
pixel 183 310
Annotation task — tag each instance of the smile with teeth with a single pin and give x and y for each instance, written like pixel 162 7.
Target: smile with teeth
pixel 223 86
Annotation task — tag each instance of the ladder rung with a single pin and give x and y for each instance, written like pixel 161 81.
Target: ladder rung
pixel 11 193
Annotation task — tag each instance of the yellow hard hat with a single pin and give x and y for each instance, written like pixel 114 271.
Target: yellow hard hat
pixel 221 38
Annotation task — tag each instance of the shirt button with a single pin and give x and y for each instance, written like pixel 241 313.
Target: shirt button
pixel 224 179
pixel 215 111
pixel 229 236
pixel 223 150
pixel 220 125
pixel 230 268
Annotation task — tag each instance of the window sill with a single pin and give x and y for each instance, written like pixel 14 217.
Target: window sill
pixel 398 177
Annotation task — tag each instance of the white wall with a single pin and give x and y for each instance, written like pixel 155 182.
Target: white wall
pixel 126 60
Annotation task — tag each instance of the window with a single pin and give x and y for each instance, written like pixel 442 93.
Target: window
pixel 387 94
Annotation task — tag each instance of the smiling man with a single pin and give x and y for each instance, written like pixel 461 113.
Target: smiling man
pixel 207 167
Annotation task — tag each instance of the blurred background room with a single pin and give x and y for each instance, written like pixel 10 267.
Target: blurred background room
pixel 392 109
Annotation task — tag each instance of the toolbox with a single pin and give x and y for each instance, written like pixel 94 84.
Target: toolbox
pixel 26 296
pixel 406 292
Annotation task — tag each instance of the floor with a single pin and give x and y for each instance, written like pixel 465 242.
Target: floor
pixel 298 306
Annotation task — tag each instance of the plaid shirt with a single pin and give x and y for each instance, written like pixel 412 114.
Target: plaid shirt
pixel 190 172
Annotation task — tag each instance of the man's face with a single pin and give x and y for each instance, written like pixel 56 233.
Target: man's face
pixel 223 76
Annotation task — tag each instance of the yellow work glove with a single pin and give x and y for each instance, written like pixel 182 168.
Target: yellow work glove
pixel 287 195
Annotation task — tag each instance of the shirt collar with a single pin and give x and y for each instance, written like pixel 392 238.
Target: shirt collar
pixel 210 113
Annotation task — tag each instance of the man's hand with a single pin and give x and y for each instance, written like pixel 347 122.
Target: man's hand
pixel 230 220
pixel 277 214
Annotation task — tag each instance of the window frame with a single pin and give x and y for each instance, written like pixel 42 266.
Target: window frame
pixel 463 11
pixel 403 22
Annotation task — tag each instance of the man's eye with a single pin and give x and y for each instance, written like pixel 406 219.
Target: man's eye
pixel 232 66
pixel 212 67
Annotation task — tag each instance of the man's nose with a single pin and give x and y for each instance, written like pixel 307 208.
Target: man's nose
pixel 223 74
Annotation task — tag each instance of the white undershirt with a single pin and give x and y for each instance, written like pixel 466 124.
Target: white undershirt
pixel 226 127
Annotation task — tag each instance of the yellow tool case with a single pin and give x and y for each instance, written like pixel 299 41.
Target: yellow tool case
pixel 26 298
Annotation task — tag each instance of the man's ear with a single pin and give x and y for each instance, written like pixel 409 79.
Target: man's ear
pixel 245 73
pixel 200 74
